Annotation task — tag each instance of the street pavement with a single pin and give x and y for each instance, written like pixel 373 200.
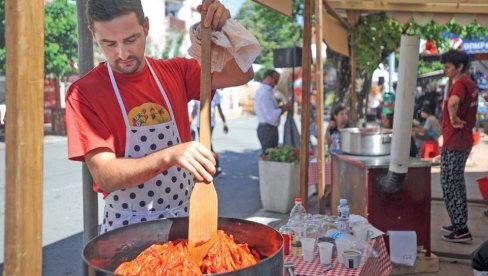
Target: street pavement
pixel 237 187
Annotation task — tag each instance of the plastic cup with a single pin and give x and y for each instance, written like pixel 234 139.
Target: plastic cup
pixel 362 232
pixel 342 245
pixel 352 258
pixel 325 252
pixel 308 246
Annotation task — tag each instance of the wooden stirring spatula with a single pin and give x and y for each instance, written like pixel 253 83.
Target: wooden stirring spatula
pixel 202 228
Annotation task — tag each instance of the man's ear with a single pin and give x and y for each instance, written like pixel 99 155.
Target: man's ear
pixel 146 25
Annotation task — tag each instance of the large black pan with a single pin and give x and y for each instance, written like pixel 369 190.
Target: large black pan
pixel 109 250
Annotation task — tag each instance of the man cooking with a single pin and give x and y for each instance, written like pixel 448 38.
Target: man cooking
pixel 127 118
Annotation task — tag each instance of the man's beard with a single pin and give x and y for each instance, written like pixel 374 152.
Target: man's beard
pixel 128 70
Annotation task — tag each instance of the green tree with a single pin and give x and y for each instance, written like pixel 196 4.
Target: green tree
pixel 60 40
pixel 434 31
pixel 376 36
pixel 272 30
pixel 2 37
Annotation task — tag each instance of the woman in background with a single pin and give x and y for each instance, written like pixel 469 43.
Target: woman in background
pixel 338 120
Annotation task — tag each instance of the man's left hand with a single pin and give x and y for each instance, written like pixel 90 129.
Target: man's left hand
pixel 217 14
pixel 226 128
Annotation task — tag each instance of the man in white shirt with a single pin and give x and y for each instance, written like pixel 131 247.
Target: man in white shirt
pixel 268 111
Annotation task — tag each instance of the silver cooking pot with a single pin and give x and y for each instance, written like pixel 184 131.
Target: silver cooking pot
pixel 366 141
pixel 109 250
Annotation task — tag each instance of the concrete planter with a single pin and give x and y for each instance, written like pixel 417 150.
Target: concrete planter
pixel 279 185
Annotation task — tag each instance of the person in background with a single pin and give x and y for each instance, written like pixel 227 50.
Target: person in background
pixel 338 120
pixel 430 98
pixel 387 122
pixel 459 118
pixel 479 261
pixel 128 117
pixel 215 105
pixel 375 99
pixel 268 111
pixel 431 129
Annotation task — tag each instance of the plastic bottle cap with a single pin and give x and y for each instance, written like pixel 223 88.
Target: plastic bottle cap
pixel 298 199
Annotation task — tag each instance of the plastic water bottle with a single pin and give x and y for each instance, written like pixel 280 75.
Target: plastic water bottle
pixel 296 222
pixel 343 216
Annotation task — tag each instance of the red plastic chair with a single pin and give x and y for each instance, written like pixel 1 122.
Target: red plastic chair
pixel 430 149
pixel 476 138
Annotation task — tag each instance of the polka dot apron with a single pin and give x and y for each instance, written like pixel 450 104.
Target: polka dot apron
pixel 165 195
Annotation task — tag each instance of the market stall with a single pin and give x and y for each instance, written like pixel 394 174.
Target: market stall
pixel 24 134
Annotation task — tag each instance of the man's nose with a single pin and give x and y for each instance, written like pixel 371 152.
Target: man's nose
pixel 123 52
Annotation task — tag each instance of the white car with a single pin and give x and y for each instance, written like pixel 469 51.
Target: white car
pixel 3 110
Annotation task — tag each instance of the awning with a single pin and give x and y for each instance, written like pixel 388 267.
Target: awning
pixel 284 7
pixel 335 34
pixel 422 11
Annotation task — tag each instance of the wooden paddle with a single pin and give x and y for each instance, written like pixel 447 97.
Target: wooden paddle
pixel 202 227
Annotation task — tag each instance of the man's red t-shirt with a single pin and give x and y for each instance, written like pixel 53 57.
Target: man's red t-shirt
pixel 93 116
pixel 461 139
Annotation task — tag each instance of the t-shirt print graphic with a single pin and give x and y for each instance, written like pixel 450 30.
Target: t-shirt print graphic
pixel 148 114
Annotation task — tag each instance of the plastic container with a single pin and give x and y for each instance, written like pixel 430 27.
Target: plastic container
pixel 351 242
pixel 483 186
pixel 298 216
pixel 343 216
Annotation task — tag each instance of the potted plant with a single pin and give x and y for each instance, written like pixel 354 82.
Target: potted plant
pixel 279 178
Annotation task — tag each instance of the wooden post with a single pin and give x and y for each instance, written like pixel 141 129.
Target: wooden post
pixel 319 77
pixel 90 198
pixel 305 131
pixel 353 17
pixel 24 28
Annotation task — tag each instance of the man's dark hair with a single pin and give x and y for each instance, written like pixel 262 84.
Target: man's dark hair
pixel 457 58
pixel 106 10
pixel 269 73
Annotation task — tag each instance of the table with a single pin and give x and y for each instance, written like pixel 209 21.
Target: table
pixel 371 266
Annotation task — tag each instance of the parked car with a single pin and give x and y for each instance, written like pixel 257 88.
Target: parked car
pixel 3 111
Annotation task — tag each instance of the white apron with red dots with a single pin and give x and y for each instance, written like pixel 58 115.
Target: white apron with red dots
pixel 164 196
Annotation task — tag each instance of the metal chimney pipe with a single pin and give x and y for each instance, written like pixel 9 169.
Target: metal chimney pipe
pixel 402 126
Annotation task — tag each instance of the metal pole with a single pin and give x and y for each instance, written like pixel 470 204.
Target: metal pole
pixel 90 199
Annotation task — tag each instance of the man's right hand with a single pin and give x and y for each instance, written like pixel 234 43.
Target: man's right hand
pixel 286 107
pixel 194 157
pixel 456 122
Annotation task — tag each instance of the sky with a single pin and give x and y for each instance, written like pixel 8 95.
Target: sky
pixel 233 5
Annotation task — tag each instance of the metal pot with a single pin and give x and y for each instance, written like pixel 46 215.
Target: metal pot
pixel 107 251
pixel 366 141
